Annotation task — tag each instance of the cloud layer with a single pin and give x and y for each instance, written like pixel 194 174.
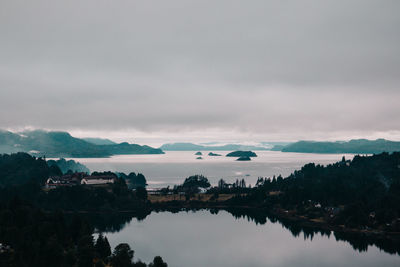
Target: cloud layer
pixel 269 68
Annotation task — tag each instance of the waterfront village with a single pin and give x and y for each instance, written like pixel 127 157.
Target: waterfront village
pixel 78 178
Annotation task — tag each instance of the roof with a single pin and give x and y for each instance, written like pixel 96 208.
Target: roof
pixel 98 177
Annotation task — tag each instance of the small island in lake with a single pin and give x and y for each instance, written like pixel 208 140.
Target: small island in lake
pixel 199 153
pixel 244 158
pixel 214 154
pixel 240 153
pixel 199 158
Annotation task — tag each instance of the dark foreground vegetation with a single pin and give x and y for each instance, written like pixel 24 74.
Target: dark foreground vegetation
pixel 31 237
pixel 363 193
pixel 50 227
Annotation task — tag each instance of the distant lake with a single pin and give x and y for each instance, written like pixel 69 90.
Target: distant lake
pixel 199 239
pixel 173 167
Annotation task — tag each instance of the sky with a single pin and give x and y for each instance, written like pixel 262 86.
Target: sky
pixel 221 70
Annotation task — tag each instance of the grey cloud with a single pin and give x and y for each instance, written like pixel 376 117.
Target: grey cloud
pixel 260 66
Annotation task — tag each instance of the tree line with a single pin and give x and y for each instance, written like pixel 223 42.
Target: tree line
pixel 35 230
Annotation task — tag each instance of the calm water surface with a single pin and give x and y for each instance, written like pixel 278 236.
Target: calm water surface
pixel 199 239
pixel 174 166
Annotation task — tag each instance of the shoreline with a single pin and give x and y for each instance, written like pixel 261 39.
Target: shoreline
pixel 279 214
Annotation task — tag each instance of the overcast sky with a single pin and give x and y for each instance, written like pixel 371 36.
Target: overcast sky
pixel 155 71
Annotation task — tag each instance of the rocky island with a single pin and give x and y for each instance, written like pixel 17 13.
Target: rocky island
pixel 240 153
pixel 244 158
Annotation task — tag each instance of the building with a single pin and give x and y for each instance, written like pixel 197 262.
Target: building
pixel 97 180
pixel 78 178
pixel 65 180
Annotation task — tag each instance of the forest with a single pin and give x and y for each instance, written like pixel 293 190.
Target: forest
pixel 359 193
pixel 47 228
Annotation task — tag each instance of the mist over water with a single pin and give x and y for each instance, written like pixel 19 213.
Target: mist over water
pixel 174 166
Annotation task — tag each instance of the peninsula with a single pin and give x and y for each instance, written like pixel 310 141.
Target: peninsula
pixel 62 144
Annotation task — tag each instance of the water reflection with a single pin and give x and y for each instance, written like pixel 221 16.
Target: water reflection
pixel 359 241
pixel 113 223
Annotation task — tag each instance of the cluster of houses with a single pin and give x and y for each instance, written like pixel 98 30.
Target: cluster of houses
pixel 78 178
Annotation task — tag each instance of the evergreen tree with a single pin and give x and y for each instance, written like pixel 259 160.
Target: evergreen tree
pixel 158 262
pixel 122 256
pixel 103 247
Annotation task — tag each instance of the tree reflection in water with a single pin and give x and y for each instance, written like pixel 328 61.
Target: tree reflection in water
pixel 115 222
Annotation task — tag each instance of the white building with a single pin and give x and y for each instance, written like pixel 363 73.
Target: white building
pixel 97 180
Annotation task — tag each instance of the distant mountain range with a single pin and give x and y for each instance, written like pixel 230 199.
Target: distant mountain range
pixel 359 146
pixel 62 144
pixel 195 147
pixel 99 141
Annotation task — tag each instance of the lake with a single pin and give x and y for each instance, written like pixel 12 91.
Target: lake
pixel 174 166
pixel 199 239
pixel 205 239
